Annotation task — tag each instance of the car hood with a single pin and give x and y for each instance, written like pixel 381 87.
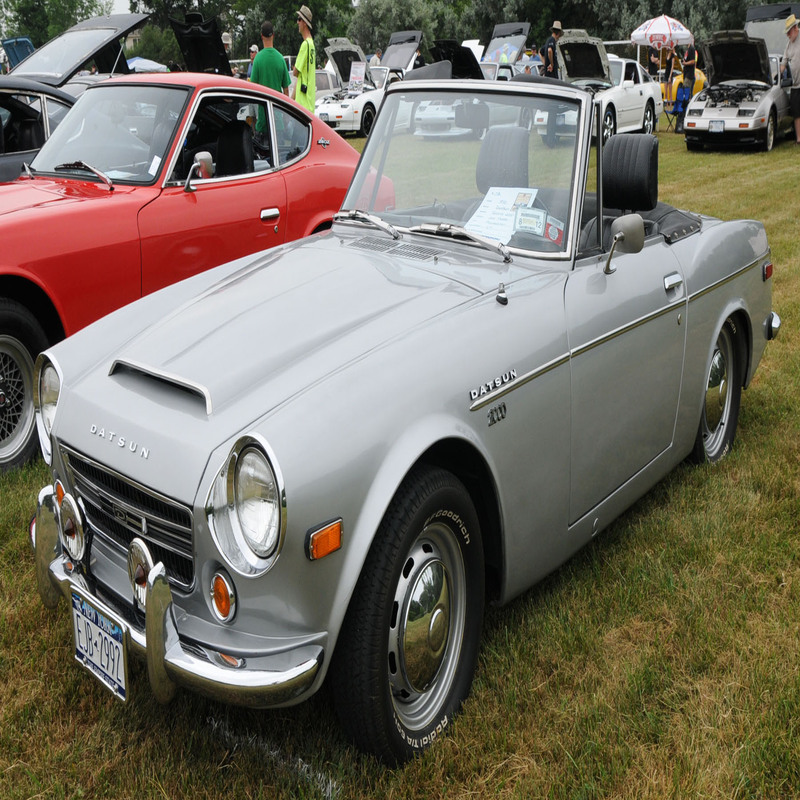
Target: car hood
pixel 401 50
pixel 290 317
pixel 342 54
pixel 582 58
pixel 508 42
pixel 733 55
pixel 462 58
pixel 97 39
pixel 23 195
pixel 201 44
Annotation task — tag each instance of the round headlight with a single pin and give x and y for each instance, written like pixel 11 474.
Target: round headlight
pixel 257 502
pixel 49 389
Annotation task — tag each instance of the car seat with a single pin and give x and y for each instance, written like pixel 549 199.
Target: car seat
pixel 235 155
pixel 503 158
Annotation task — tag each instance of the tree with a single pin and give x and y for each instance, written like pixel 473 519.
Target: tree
pixel 41 20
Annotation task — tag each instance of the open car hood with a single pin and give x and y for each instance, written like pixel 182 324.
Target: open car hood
pixel 342 54
pixel 17 49
pixel 508 42
pixel 462 58
pixel 97 39
pixel 401 50
pixel 582 58
pixel 733 55
pixel 201 44
pixel 767 22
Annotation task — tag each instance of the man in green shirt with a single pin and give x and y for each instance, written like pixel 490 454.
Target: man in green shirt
pixel 269 66
pixel 305 66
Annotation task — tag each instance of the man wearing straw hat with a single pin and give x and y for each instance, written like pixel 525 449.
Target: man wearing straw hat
pixel 791 58
pixel 305 66
pixel 550 65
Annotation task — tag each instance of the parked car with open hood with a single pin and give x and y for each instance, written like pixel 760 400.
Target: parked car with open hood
pixel 43 84
pixel 630 99
pixel 745 101
pixel 149 179
pixel 354 108
pixel 320 462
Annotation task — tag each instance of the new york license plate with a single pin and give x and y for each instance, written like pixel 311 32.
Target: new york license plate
pixel 100 645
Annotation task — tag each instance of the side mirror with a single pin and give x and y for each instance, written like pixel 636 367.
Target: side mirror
pixel 627 236
pixel 203 167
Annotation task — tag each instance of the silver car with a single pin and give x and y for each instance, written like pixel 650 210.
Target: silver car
pixel 744 102
pixel 320 463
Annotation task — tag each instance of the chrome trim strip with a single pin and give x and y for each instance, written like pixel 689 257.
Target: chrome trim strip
pixel 729 278
pixel 168 377
pixel 520 381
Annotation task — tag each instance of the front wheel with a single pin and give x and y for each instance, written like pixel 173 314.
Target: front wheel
pixel 649 121
pixel 367 120
pixel 609 124
pixel 21 340
pixel 769 133
pixel 406 655
pixel 721 401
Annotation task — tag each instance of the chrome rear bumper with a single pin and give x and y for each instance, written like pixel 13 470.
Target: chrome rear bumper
pixel 256 682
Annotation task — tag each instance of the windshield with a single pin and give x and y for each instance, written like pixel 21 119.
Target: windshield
pixel 379 76
pixel 124 131
pixel 473 160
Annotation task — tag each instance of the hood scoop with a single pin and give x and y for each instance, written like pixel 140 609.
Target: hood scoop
pixel 377 245
pixel 141 372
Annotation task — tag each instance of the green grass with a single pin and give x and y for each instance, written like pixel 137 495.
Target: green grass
pixel 660 662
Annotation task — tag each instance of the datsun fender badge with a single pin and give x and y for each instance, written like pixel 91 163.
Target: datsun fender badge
pixel 493 385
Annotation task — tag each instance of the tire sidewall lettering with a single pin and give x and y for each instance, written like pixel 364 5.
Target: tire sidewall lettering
pixel 458 524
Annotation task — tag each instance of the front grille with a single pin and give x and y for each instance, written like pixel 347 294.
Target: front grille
pixel 118 510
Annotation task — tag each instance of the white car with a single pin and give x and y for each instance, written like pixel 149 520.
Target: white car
pixel 630 99
pixel 353 109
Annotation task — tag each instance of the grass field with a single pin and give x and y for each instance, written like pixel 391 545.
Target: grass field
pixel 662 661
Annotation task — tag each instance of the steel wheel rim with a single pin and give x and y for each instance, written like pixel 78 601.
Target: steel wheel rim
pixel 424 648
pixel 16 392
pixel 717 406
pixel 770 132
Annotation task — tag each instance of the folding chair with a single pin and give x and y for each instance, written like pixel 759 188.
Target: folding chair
pixel 675 109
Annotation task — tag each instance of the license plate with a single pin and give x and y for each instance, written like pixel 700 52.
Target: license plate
pixel 323 117
pixel 100 645
pixel 716 126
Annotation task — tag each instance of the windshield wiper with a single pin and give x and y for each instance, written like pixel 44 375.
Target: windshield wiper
pixel 72 165
pixel 363 216
pixel 456 231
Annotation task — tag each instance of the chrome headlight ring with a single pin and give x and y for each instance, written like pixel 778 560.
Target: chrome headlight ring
pixel 246 507
pixel 47 385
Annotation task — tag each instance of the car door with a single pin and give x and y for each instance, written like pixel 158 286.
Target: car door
pixel 632 93
pixel 241 208
pixel 626 339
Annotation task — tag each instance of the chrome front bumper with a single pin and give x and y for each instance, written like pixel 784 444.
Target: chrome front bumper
pixel 256 683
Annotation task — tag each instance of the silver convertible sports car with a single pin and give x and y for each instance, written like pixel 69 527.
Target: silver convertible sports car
pixel 320 462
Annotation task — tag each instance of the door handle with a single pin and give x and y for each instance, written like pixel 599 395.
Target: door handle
pixel 672 281
pixel 270 213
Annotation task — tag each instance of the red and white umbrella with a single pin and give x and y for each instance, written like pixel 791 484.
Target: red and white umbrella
pixel 662 32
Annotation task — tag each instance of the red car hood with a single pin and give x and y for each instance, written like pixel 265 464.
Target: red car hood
pixel 25 194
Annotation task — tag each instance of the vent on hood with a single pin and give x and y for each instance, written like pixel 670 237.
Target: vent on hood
pixel 123 367
pixel 390 246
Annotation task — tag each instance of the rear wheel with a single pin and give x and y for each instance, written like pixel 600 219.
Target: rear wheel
pixel 407 651
pixel 721 401
pixel 21 340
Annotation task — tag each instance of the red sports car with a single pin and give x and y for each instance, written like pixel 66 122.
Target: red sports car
pixel 149 179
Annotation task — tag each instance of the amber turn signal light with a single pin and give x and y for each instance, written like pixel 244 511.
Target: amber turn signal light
pixel 323 541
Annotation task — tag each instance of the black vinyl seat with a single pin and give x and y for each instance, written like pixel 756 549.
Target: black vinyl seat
pixel 235 155
pixel 503 158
